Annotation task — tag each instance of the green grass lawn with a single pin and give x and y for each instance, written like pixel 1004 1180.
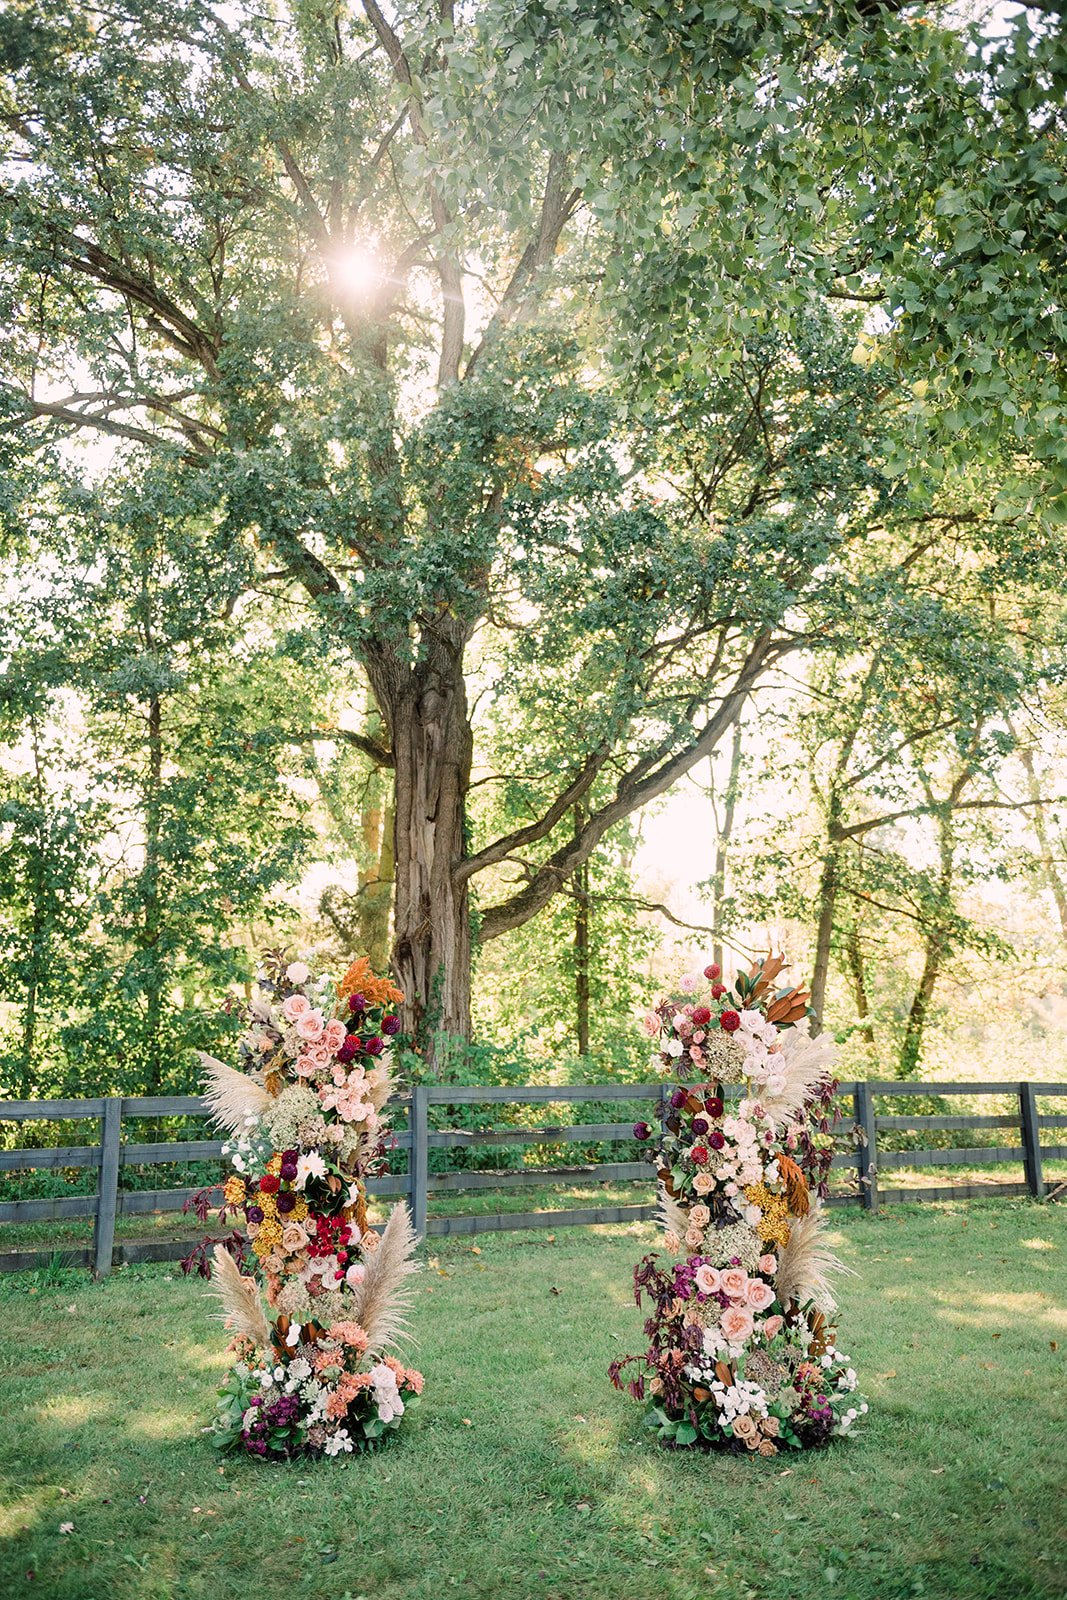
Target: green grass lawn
pixel 524 1474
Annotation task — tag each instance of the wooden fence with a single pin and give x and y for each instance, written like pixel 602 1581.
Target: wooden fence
pixel 112 1152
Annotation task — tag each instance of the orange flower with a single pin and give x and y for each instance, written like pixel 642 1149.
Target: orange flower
pixel 359 979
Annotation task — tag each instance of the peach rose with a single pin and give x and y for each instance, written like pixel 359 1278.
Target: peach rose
pixel 703 1183
pixel 772 1326
pixel 735 1282
pixel 766 1448
pixel 335 1033
pixel 306 1065
pixel 736 1324
pixel 297 1005
pixel 759 1295
pixel 309 1026
pixel 294 1238
pixel 699 1216
pixel 707 1279
pixel 768 1265
pixel 744 1427
pixel 671 1242
pixel 770 1426
pixel 694 1238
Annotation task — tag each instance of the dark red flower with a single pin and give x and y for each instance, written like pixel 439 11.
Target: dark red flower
pixel 714 971
pixel 390 1025
pixel 357 1002
pixel 701 1124
pixel 270 1183
pixel 700 1154
pixel 716 1138
pixel 349 1050
pixel 641 1130
pixel 729 1021
pixel 286 1202
pixel 700 1016
pixel 375 1046
pixel 713 1106
pixel 718 990
pixel 678 1099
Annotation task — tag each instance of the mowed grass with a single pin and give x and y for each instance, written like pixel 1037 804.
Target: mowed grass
pixel 524 1474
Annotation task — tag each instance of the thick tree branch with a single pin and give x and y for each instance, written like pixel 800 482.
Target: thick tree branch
pixel 634 790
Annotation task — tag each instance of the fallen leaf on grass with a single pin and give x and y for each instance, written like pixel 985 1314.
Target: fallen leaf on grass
pixel 1053 1344
pixel 476 1250
pixel 890 1374
pixel 66 1527
pixel 466 1421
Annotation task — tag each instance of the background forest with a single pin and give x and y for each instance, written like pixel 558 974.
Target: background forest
pixel 467 503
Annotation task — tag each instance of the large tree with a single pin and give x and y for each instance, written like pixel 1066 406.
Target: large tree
pixel 497 334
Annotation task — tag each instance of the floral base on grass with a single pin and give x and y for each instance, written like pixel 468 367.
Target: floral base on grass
pixel 307 1129
pixel 742 1352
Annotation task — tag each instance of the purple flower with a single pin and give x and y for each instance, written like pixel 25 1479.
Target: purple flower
pixel 375 1046
pixel 254 1213
pixel 390 1025
pixel 641 1130
pixel 678 1099
pixel 701 1124
pixel 716 1138
pixel 286 1202
pixel 349 1049
pixel 357 1002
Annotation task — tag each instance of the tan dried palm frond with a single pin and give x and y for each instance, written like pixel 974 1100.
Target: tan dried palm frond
pixel 806 1262
pixel 241 1305
pixel 232 1096
pixel 384 1296
pixel 379 1092
pixel 804 1062
pixel 672 1218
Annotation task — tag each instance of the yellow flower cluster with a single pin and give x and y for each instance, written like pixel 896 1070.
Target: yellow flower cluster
pixel 234 1191
pixel 774 1223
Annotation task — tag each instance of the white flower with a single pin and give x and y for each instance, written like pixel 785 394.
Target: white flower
pixel 266 1380
pixel 299 1369
pixel 309 1166
pixel 863 1408
pixel 674 1047
pixel 279 1374
pixel 337 1442
pixel 293 1336
pixel 297 972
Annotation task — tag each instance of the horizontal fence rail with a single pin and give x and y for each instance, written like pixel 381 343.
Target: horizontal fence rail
pixel 112 1153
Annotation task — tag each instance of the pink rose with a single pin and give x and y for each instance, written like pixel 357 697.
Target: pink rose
pixel 696 1054
pixel 306 1065
pixel 773 1326
pixel 703 1183
pixel 295 1006
pixel 651 1024
pixel 355 1275
pixel 735 1282
pixel 309 1026
pixel 694 1238
pixel 294 1238
pixel 759 1295
pixel 699 1216
pixel 335 1033
pixel 688 983
pixel 767 1265
pixel 736 1324
pixel 707 1279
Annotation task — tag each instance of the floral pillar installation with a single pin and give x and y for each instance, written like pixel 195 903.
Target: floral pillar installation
pixel 306 1125
pixel 742 1353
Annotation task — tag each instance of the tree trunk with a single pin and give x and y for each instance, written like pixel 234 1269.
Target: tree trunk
pixel 151 898
pixel 581 946
pixel 937 948
pixel 1045 853
pixel 426 709
pixel 723 832
pixel 375 898
pixel 828 884
pixel 857 967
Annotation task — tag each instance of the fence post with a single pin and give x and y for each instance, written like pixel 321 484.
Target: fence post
pixel 419 1157
pixel 1031 1131
pixel 867 1151
pixel 107 1186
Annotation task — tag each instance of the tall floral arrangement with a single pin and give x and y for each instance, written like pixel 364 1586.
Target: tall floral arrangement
pixel 314 1371
pixel 743 1351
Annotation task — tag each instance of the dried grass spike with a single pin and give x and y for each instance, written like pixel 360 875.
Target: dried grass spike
pixel 241 1305
pixel 384 1296
pixel 671 1216
pixel 806 1264
pixel 232 1096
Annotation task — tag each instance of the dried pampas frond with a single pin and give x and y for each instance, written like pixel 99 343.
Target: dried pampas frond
pixel 805 1264
pixel 804 1062
pixel 241 1305
pixel 232 1096
pixel 379 1093
pixel 671 1217
pixel 384 1296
